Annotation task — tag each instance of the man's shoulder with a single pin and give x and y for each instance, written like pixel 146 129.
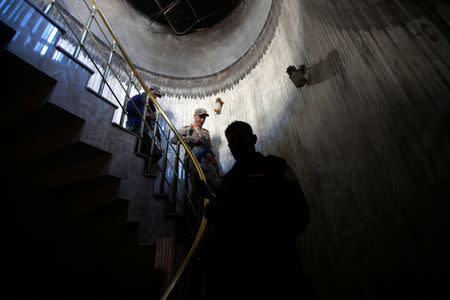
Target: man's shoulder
pixel 137 97
pixel 275 165
pixel 280 166
pixel 275 159
pixel 185 128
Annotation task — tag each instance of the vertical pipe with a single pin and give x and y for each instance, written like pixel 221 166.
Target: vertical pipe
pixel 85 31
pixel 125 101
pixel 106 73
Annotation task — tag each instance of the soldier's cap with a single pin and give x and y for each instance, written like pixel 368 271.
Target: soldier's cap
pixel 156 90
pixel 201 111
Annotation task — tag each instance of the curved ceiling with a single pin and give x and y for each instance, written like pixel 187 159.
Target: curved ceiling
pixel 186 16
pixel 201 62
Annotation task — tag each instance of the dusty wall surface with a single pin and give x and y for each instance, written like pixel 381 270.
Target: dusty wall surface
pixel 367 138
pixel 152 46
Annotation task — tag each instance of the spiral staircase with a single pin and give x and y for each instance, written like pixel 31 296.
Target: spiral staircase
pixel 71 175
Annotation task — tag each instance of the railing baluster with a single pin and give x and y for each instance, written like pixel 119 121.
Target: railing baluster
pixel 176 178
pixel 106 73
pixel 153 140
pixel 125 101
pixel 164 165
pixel 85 31
pixel 141 129
pixel 49 7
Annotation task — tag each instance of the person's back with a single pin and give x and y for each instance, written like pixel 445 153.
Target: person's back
pixel 258 214
pixel 135 112
pixel 259 211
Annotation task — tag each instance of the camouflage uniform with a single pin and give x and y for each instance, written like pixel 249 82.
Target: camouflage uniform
pixel 209 169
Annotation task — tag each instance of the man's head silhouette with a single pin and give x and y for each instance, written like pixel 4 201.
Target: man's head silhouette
pixel 241 139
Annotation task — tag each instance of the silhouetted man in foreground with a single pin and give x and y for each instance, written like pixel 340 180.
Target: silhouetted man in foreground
pixel 259 211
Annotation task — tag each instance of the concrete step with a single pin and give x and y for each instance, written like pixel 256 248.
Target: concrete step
pixel 81 198
pixel 48 130
pixel 25 88
pixel 74 163
pixel 6 34
pixel 96 250
pixel 83 265
pixel 65 233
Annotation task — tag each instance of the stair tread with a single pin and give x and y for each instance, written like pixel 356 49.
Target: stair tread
pixel 38 87
pixel 6 34
pixel 73 233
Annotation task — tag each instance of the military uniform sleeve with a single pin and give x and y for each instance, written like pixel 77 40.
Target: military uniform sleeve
pixel 211 145
pixel 184 131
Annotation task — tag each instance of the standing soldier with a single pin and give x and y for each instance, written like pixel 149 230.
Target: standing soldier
pixel 199 141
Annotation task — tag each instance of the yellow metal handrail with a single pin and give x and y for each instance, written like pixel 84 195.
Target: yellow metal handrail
pixel 203 223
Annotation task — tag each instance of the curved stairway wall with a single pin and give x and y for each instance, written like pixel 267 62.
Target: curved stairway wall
pixel 80 212
pixel 367 138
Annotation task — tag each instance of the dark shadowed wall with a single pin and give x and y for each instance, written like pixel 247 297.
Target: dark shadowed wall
pixel 367 137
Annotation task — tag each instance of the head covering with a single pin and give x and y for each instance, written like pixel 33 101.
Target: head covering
pixel 201 111
pixel 156 90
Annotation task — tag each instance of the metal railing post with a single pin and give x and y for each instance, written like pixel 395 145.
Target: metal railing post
pixel 106 73
pixel 125 101
pixel 153 140
pixel 85 31
pixel 176 177
pixel 164 165
pixel 186 187
pixel 49 7
pixel 141 129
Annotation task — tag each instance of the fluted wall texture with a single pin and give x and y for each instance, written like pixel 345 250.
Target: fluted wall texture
pixel 367 138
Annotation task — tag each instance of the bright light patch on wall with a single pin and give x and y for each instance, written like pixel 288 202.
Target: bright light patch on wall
pixel 2 3
pixel 57 56
pixel 13 12
pixel 5 10
pixel 49 33
pixel 19 14
pixel 52 35
pixel 36 25
pixel 38 47
pixel 44 50
pixel 26 18
pixel 27 41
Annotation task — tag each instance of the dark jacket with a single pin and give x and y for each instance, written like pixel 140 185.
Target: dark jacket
pixel 135 108
pixel 259 211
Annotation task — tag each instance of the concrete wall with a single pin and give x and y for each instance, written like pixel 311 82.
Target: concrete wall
pixel 367 138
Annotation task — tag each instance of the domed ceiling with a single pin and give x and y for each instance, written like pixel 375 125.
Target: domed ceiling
pixel 193 48
pixel 186 16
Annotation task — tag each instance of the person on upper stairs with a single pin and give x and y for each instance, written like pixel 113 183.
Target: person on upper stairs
pixel 135 111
